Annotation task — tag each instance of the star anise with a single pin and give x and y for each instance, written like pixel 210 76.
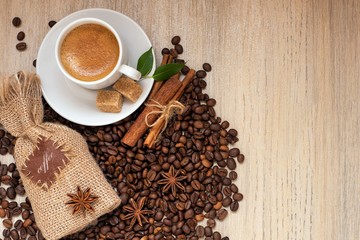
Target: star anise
pixel 82 200
pixel 136 212
pixel 172 180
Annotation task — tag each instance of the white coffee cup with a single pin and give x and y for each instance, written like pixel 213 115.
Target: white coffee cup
pixel 119 69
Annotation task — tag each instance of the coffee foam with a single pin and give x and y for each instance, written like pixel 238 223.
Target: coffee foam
pixel 89 52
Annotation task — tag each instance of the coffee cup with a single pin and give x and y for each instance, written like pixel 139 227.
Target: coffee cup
pixel 90 53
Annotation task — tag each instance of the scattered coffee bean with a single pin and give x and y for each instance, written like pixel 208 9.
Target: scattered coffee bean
pixel 217 236
pixel 207 67
pixel 51 23
pixel 21 46
pixel 240 158
pixel 233 175
pixel 179 48
pixel 16 21
pixel 10 192
pixel 221 214
pixel 18 224
pixel 208 231
pixel 7 223
pixel 185 70
pixel 2 213
pixel 14 234
pixel 20 36
pixel 200 231
pixel 175 40
pixel 238 197
pixel 165 51
pixel 211 223
pixel 234 206
pixel 34 63
pixel 201 74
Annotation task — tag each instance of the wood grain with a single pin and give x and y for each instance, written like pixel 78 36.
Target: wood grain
pixel 286 76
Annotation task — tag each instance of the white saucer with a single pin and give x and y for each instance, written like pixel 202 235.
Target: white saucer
pixel 78 104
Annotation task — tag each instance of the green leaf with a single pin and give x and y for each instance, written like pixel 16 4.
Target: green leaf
pixel 145 62
pixel 164 72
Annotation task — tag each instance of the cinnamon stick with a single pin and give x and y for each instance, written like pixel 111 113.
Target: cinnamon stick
pixel 155 130
pixel 163 96
pixel 157 84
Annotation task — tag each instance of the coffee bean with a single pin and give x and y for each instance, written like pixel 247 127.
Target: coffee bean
pixel 175 40
pixel 6 233
pixel 20 36
pixel 23 233
pixel 17 211
pixel 25 205
pixel 207 67
pixel 208 231
pixel 240 158
pixel 165 51
pixel 233 132
pixel 19 189
pixel 34 63
pixel 105 229
pixel 234 188
pixel 196 185
pixel 226 202
pixel 221 214
pixel 21 46
pixel 179 48
pixel 231 164
pixel 200 231
pixel 234 206
pixel 189 214
pixel 18 224
pixel 14 234
pixel 11 167
pixel 3 151
pixel 185 70
pixel 211 223
pixel 201 74
pixel 3 169
pixel 4 204
pixel 234 152
pixel 7 223
pixel 217 236
pixel 233 175
pixel 2 213
pixel 27 223
pixel 25 214
pixel 238 196
pixel 10 192
pixel 51 23
pixel 16 21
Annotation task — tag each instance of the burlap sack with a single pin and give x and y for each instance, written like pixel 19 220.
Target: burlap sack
pixel 21 113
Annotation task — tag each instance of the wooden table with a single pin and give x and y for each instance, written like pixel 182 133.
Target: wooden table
pixel 285 75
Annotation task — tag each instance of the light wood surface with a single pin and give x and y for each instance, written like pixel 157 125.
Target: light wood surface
pixel 286 74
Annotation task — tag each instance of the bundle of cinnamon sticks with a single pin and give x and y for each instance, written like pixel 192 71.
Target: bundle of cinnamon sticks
pixel 161 93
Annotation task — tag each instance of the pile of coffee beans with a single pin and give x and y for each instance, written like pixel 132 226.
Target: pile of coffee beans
pixel 197 143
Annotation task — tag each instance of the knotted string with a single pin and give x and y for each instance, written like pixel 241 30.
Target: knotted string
pixel 166 111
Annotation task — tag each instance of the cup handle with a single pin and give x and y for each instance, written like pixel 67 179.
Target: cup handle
pixel 130 72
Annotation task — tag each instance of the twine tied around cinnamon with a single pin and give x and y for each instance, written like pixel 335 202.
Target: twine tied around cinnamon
pixel 166 111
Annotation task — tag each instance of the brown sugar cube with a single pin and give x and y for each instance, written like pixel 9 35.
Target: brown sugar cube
pixel 109 101
pixel 128 88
